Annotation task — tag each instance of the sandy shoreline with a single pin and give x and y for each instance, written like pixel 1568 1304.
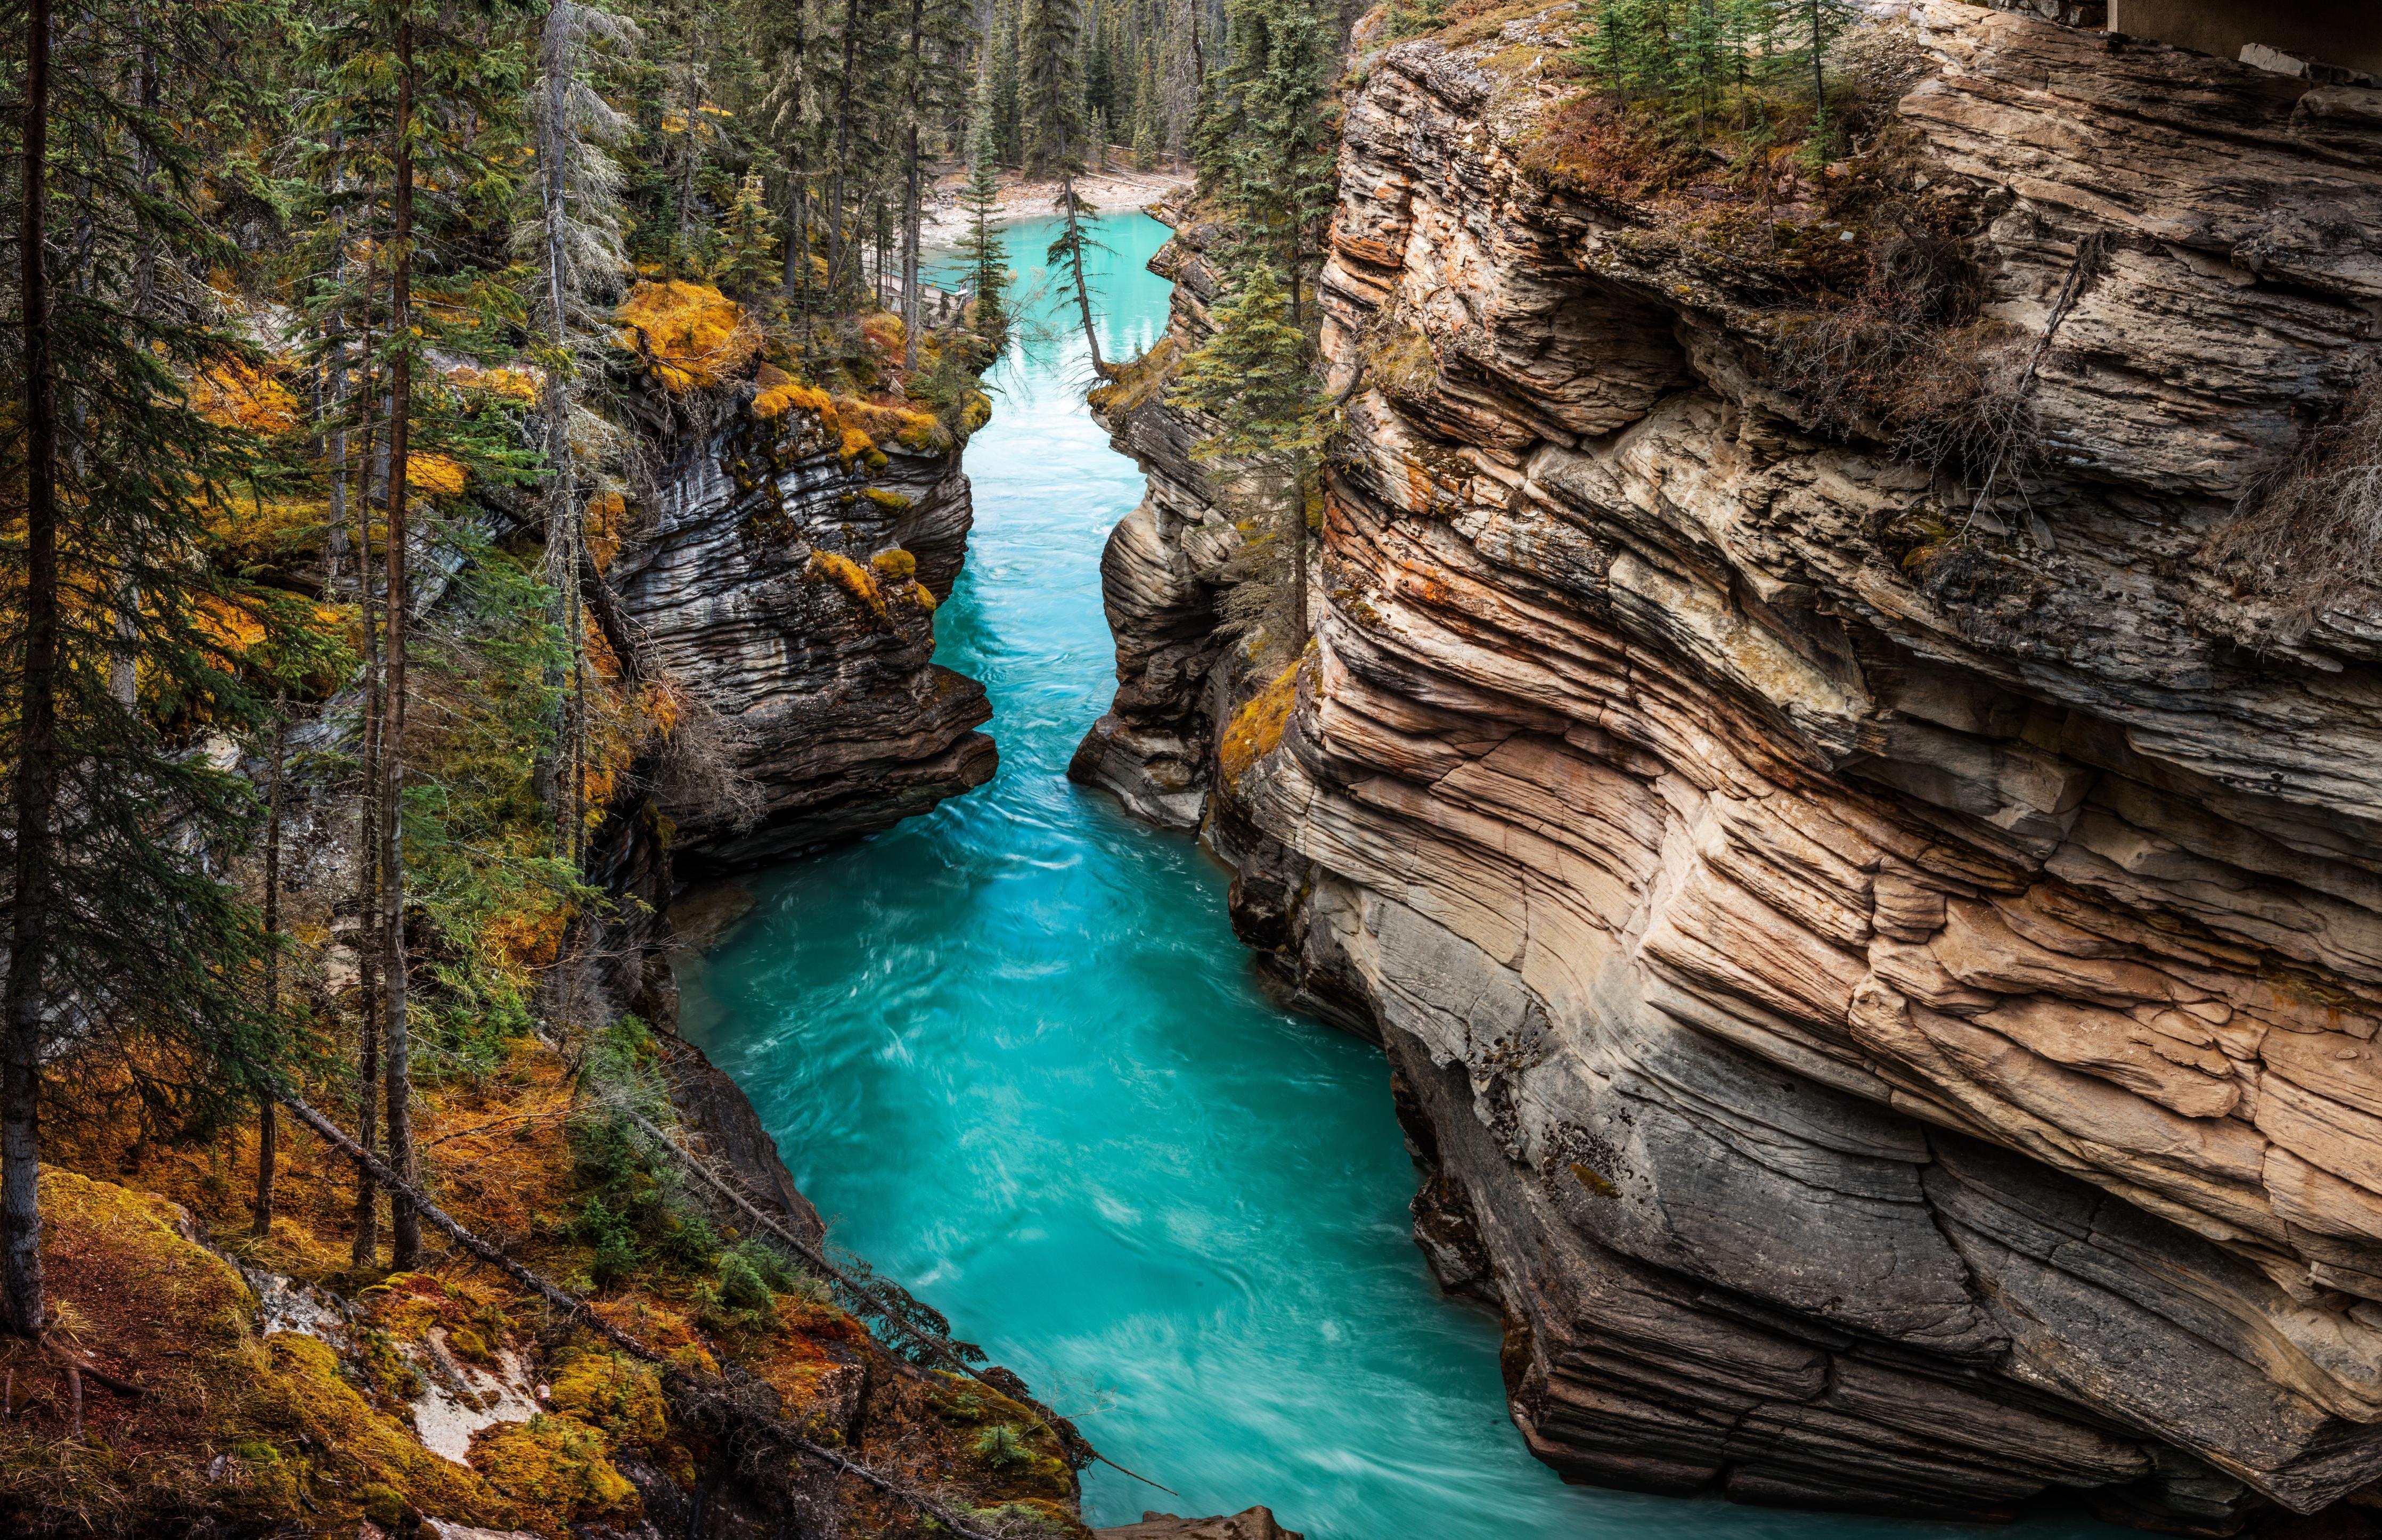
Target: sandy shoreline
pixel 943 220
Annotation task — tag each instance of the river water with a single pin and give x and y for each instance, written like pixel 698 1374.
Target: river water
pixel 1012 1052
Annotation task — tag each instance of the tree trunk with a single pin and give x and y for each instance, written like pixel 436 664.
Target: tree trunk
pixel 835 242
pixel 563 534
pixel 1819 83
pixel 25 1002
pixel 910 311
pixel 910 193
pixel 405 1225
pixel 796 245
pixel 367 1240
pixel 268 1126
pixel 1075 252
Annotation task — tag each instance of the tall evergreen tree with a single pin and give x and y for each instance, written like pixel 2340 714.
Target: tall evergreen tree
pixel 982 255
pixel 1254 378
pixel 122 942
pixel 1051 99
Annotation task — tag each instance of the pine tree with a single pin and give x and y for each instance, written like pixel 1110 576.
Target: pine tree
pixel 1051 88
pixel 122 943
pixel 747 244
pixel 1824 22
pixel 578 259
pixel 985 259
pixel 1146 130
pixel 1007 84
pixel 1254 378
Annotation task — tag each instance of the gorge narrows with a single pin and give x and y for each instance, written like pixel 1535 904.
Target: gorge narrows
pixel 1013 1050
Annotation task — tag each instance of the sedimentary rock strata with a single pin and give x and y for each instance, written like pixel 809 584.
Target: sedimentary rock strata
pixel 788 592
pixel 1894 1027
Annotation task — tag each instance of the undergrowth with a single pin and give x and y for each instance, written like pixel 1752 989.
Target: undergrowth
pixel 2308 533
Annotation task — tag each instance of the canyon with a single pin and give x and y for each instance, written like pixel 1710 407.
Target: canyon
pixel 1882 979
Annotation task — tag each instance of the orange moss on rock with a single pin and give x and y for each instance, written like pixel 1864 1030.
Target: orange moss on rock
pixel 693 336
pixel 1257 729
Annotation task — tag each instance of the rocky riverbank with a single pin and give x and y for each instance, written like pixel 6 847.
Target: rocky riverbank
pixel 1877 975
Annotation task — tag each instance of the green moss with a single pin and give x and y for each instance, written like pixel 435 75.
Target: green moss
pixel 555 1466
pixel 616 1395
pixel 329 1445
pixel 892 502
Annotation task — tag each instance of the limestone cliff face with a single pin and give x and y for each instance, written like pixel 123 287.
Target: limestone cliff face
pixel 1894 1027
pixel 790 590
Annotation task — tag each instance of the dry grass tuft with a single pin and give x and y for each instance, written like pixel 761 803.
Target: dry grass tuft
pixel 2309 533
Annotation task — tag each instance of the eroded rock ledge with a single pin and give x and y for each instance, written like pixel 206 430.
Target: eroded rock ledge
pixel 1887 1043
pixel 792 596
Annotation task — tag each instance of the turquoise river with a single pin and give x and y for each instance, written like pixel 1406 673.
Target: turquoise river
pixel 1013 1053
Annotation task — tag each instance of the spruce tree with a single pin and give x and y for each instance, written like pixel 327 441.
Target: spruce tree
pixel 1824 22
pixel 1254 378
pixel 1145 124
pixel 579 262
pixel 983 257
pixel 123 944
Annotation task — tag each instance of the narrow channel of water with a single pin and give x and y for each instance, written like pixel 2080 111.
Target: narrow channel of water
pixel 1013 1051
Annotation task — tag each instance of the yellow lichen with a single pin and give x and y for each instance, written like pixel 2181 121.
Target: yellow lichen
pixel 513 385
pixel 1257 727
pixel 777 390
pixel 888 499
pixel 1142 380
pixel 895 565
pixel 234 395
pixel 694 337
pixel 618 1396
pixel 430 473
pixel 852 577
pixel 554 1467
pixel 604 512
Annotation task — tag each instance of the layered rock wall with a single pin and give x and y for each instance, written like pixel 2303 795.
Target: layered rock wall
pixel 1893 1021
pixel 789 591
